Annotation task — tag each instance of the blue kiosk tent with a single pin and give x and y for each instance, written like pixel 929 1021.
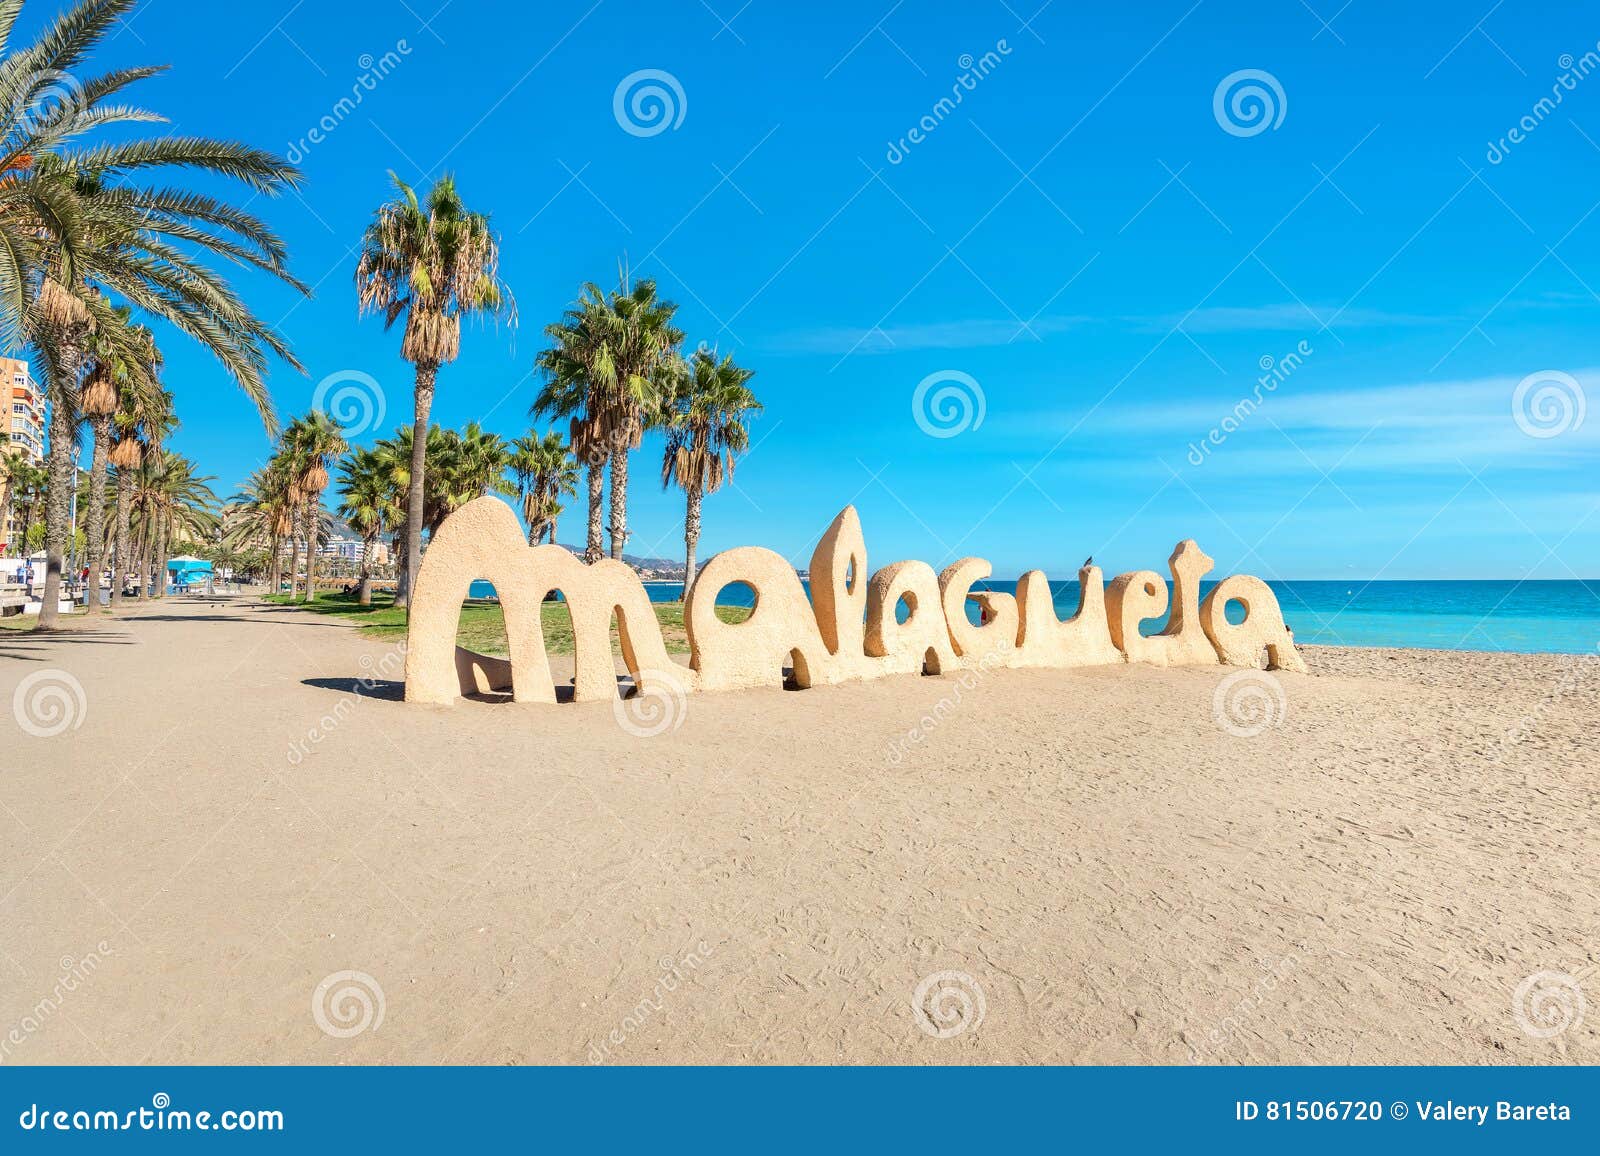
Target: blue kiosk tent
pixel 187 572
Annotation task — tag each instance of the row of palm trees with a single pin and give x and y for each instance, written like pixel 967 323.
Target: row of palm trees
pixel 703 420
pixel 92 228
pixel 157 501
pixel 613 369
pixel 281 506
pixel 24 484
pixel 86 239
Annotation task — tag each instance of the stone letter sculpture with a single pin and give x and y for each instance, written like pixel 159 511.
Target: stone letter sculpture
pixel 849 629
pixel 1263 625
pixel 1142 594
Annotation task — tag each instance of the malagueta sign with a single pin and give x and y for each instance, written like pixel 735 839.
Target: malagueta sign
pixel 846 631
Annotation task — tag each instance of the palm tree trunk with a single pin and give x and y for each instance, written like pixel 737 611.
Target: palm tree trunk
pixel 294 561
pixel 416 500
pixel 369 545
pixel 164 551
pixel 141 562
pixel 691 538
pixel 9 486
pixel 552 529
pixel 275 565
pixel 311 542
pixel 62 486
pixel 397 555
pixel 96 523
pixel 593 550
pixel 619 501
pixel 121 564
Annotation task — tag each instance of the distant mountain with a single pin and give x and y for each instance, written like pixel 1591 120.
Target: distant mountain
pixel 636 561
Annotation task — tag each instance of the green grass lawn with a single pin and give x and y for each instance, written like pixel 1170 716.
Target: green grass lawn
pixel 18 621
pixel 483 629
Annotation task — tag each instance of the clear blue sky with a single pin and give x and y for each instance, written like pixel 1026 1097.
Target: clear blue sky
pixel 1080 236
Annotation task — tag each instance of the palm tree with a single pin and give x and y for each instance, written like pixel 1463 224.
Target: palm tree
pixel 440 454
pixel 606 370
pixel 25 486
pixel 434 261
pixel 11 465
pixel 706 426
pixel 480 464
pixel 170 503
pixel 111 374
pixel 29 130
pixel 142 420
pixel 563 484
pixel 263 516
pixel 573 367
pixel 369 507
pixel 394 462
pixel 310 445
pixel 546 473
pixel 645 344
pixel 78 237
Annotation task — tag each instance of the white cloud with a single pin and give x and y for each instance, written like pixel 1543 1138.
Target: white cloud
pixel 982 332
pixel 1291 316
pixel 1428 427
pixel 969 334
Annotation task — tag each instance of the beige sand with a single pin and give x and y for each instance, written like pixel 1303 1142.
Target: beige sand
pixel 1120 878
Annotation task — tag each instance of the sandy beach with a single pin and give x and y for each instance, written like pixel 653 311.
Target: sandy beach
pixel 1110 875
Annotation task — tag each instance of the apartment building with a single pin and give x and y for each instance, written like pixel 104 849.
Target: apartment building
pixel 21 434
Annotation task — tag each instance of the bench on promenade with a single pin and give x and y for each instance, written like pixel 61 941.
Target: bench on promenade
pixel 13 597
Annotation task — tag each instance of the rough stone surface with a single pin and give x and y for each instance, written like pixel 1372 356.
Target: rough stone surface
pixel 839 597
pixel 481 673
pixel 992 642
pixel 1082 640
pixel 1132 598
pixel 484 540
pixel 1263 628
pixel 921 642
pixel 781 630
pixel 846 630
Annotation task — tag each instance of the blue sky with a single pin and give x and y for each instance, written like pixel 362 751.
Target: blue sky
pixel 1106 258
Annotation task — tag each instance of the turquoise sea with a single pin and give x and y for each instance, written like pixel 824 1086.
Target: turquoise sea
pixel 1560 617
